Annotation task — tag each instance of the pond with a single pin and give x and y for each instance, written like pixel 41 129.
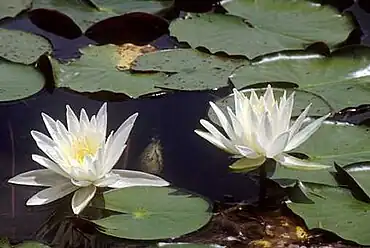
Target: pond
pixel 166 60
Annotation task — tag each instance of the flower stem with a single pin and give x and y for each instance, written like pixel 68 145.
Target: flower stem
pixel 263 183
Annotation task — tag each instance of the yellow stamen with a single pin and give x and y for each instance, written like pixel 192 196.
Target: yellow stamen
pixel 82 147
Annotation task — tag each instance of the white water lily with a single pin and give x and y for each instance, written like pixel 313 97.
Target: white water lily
pixel 80 158
pixel 261 128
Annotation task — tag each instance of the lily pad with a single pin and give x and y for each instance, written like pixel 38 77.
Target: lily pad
pixel 138 210
pixel 101 68
pixel 333 142
pixel 360 174
pixel 254 28
pixel 120 7
pixel 10 8
pixel 335 210
pixel 18 81
pixel 194 70
pixel 86 14
pixel 4 243
pixel 341 80
pixel 22 47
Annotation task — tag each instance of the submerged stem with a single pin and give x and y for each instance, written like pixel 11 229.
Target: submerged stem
pixel 263 183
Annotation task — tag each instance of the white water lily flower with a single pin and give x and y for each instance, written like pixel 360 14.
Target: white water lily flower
pixel 80 158
pixel 261 128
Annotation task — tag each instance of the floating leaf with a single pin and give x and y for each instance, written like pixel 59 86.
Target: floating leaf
pixel 4 243
pixel 22 47
pixel 50 20
pixel 254 28
pixel 341 80
pixel 194 70
pixel 18 81
pixel 360 174
pixel 99 68
pixel 31 244
pixel 135 27
pixel 85 14
pixel 10 8
pixel 336 210
pixel 142 208
pixel 120 7
pixel 333 142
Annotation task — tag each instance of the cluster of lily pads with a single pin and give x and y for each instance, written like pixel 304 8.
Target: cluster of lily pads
pixel 254 47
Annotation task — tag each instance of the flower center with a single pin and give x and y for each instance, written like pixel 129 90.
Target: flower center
pixel 82 147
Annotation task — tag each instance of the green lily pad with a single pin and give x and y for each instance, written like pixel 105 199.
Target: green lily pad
pixel 194 70
pixel 85 14
pixel 138 210
pixel 254 28
pixel 335 210
pixel 341 80
pixel 340 143
pixel 18 81
pixel 360 174
pixel 4 243
pixel 120 7
pixel 10 8
pixel 22 47
pixel 99 68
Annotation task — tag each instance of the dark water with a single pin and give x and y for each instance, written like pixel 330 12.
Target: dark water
pixel 189 161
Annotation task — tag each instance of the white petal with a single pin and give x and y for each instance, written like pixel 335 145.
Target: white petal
pixel 42 177
pixel 109 179
pixel 238 130
pixel 51 194
pixel 101 120
pixel 130 178
pixel 299 121
pixel 84 120
pixel 269 96
pixel 113 159
pixel 218 135
pixel 264 132
pixel 298 164
pixel 247 152
pixel 50 126
pixel 278 145
pixel 253 99
pixel 63 135
pixel 47 163
pixel 119 139
pixel 82 198
pixel 213 140
pixel 40 137
pixel 80 183
pixel 285 113
pixel 89 166
pixel 93 122
pixel 72 122
pixel 305 133
pixel 47 145
pixel 253 118
pixel 223 121
pixel 238 101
